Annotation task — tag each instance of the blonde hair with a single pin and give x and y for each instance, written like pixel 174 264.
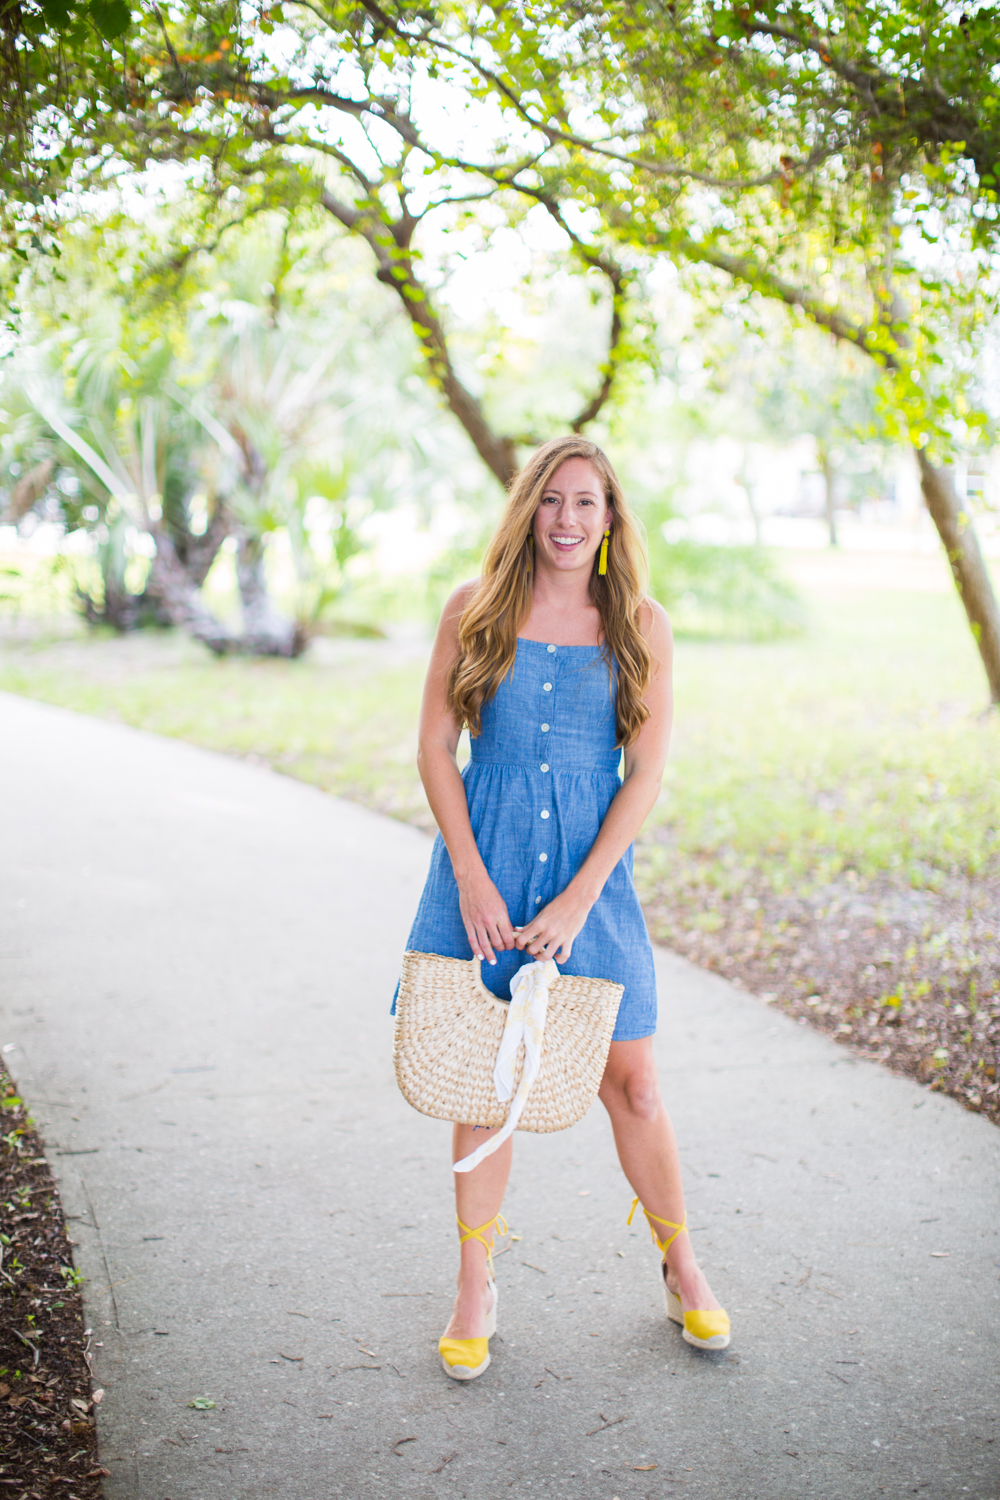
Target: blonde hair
pixel 501 603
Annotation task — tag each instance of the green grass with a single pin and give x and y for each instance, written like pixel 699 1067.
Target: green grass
pixel 859 745
pixel 862 746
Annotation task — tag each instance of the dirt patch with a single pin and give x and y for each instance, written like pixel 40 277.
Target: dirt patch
pixel 48 1440
pixel 909 978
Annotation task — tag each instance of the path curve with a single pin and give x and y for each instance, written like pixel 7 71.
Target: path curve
pixel 196 959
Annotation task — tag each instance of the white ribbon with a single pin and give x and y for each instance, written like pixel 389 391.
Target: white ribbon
pixel 529 1001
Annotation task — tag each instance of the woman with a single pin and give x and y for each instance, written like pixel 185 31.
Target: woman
pixel 556 661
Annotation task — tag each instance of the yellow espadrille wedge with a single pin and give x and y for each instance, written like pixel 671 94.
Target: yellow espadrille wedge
pixel 705 1328
pixel 464 1359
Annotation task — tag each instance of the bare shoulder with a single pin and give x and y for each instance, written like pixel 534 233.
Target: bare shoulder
pixel 461 596
pixel 454 609
pixel 655 626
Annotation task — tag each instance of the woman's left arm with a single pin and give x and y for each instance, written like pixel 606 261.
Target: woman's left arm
pixel 552 932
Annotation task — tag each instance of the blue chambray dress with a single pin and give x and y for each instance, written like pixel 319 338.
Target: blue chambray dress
pixel 543 773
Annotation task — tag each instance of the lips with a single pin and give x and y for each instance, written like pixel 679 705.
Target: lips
pixel 566 542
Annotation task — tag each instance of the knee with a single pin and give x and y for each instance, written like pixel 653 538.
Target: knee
pixel 636 1093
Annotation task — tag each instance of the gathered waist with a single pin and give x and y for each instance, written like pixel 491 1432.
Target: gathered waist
pixel 573 768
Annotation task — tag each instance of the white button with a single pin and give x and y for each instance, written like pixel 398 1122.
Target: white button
pixel 545 729
pixel 543 858
pixel 544 766
pixel 546 687
pixel 545 812
pixel 550 648
pixel 538 900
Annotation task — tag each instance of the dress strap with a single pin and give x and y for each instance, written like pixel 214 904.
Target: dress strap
pixel 662 1245
pixel 477 1234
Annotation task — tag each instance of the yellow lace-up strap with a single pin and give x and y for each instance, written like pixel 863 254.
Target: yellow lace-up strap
pixel 662 1245
pixel 477 1234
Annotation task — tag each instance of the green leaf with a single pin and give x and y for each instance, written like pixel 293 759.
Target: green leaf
pixel 111 17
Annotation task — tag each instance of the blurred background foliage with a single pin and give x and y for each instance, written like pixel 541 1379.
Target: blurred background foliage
pixel 253 415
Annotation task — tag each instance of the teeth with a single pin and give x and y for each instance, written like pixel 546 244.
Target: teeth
pixel 567 541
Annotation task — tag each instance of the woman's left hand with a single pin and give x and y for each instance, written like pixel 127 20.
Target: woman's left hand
pixel 551 933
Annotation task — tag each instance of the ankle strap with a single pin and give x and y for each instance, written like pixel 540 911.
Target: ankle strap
pixel 477 1234
pixel 662 1245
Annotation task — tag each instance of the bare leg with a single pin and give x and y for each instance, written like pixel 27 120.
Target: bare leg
pixel 647 1150
pixel 478 1200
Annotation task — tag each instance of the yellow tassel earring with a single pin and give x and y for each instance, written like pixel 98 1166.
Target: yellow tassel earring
pixel 531 551
pixel 602 566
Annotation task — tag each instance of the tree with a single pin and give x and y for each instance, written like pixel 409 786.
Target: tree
pixel 814 155
pixel 262 400
pixel 100 433
pixel 807 154
pixel 202 88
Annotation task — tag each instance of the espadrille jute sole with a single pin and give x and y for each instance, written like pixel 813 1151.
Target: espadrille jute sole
pixel 467 1361
pixel 702 1329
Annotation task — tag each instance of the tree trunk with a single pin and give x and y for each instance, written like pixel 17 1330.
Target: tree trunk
pixel 829 472
pixel 194 556
pixel 183 604
pixel 198 552
pixel 968 565
pixel 266 631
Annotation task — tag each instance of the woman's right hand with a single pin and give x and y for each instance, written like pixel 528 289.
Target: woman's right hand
pixel 484 913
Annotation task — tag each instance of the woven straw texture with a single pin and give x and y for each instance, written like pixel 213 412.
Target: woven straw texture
pixel 448 1029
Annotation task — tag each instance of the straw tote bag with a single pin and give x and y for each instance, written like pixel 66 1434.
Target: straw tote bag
pixel 448 1033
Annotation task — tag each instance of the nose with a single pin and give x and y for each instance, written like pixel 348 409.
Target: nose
pixel 564 515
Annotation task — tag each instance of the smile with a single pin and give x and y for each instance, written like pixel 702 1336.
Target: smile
pixel 566 541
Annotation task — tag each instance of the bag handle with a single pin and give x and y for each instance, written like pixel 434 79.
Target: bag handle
pixel 529 1000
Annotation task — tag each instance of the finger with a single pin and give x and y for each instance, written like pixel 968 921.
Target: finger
pixel 495 934
pixel 485 946
pixel 480 947
pixel 474 943
pixel 506 932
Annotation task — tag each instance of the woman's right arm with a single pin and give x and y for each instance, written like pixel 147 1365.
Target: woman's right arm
pixel 483 909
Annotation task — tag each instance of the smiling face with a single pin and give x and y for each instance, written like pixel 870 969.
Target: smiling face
pixel 571 517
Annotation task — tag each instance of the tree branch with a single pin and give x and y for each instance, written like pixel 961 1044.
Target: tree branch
pixel 557 137
pixel 601 261
pixel 396 270
pixel 929 111
pixel 751 273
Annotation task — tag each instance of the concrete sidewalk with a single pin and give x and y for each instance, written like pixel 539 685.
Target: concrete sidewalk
pixel 196 963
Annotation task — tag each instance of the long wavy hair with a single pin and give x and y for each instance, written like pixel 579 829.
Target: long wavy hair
pixel 490 622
